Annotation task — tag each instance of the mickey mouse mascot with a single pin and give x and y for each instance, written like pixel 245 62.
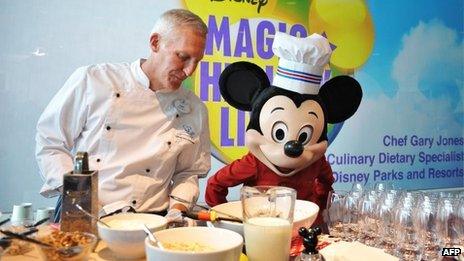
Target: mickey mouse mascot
pixel 287 132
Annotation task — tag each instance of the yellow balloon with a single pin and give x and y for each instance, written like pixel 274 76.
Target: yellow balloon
pixel 348 25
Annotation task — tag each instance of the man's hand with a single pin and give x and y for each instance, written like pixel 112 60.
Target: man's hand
pixel 175 218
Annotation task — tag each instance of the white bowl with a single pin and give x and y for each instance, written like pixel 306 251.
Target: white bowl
pixel 225 245
pixel 125 237
pixel 304 216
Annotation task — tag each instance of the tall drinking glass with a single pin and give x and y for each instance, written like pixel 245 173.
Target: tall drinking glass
pixel 461 219
pixel 367 221
pixel 448 222
pixel 267 221
pixel 351 216
pixel 408 247
pixel 426 223
pixel 335 212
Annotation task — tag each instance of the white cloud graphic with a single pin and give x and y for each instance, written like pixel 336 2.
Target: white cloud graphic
pixel 431 61
pixel 427 47
pixel 427 67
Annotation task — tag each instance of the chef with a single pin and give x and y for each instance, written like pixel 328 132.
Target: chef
pixel 146 135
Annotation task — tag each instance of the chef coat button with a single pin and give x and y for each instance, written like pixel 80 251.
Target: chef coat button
pixel 98 160
pixel 134 202
pixel 108 128
pixel 177 115
pixel 118 95
pixel 147 170
pixel 169 143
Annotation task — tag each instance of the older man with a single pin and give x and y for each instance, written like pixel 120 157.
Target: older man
pixel 147 136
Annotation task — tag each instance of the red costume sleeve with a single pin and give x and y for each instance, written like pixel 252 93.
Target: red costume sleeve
pixel 238 172
pixel 322 186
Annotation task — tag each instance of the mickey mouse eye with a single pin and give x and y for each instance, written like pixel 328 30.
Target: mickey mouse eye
pixel 305 134
pixel 279 131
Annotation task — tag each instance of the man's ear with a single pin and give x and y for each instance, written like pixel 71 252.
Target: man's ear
pixel 154 42
pixel 240 82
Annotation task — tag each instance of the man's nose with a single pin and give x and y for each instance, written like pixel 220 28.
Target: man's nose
pixel 190 68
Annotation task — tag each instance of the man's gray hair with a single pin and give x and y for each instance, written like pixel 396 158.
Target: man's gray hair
pixel 178 18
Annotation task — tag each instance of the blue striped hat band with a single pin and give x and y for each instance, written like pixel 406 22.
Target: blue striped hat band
pixel 298 77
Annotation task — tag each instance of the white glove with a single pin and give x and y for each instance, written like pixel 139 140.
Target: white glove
pixel 175 218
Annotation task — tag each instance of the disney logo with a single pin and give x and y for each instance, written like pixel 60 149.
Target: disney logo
pixel 259 3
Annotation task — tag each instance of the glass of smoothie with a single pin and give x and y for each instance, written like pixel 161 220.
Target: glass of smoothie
pixel 267 221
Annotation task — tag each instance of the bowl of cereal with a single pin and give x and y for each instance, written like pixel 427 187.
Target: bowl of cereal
pixel 68 246
pixel 125 235
pixel 195 244
pixel 304 215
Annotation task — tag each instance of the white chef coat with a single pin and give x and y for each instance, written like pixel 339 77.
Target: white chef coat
pixel 144 144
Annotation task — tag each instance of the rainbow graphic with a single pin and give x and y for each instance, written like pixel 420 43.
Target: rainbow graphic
pixel 244 30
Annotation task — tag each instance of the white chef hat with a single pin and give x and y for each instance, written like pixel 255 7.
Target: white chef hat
pixel 301 62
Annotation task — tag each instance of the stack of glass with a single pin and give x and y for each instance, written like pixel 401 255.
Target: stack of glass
pixel 412 225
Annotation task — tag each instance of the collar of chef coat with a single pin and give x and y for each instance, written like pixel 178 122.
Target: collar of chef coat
pixel 139 75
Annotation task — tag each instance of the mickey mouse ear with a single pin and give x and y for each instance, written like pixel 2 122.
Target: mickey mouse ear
pixel 342 96
pixel 240 82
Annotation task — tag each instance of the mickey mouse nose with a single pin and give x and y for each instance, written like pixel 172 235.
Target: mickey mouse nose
pixel 293 148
